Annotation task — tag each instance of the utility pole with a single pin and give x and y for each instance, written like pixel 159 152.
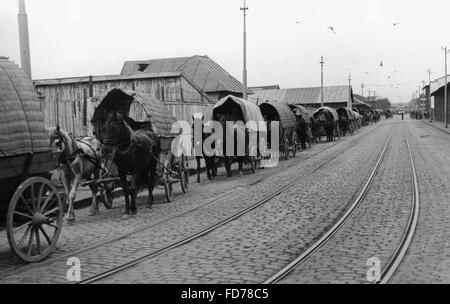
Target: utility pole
pixel 423 100
pixel 445 91
pixel 244 73
pixel 429 96
pixel 321 81
pixel 362 89
pixel 24 39
pixel 374 98
pixel 350 90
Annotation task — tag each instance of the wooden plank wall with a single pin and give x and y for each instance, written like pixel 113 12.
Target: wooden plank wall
pixel 69 105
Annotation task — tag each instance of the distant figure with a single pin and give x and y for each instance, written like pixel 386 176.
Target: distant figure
pixel 403 114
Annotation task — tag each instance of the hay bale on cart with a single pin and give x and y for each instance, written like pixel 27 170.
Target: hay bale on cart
pixel 35 207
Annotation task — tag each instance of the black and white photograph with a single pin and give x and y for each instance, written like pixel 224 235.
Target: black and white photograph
pixel 241 143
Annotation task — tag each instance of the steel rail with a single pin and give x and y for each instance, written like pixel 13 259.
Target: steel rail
pixel 195 236
pixel 163 221
pixel 400 252
pixel 335 228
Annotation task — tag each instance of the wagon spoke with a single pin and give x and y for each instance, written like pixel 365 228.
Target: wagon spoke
pixel 33 203
pixel 41 191
pixel 51 211
pixel 25 201
pixel 28 224
pixel 38 241
pixel 51 225
pixel 47 201
pixel 30 242
pixel 49 241
pixel 24 237
pixel 23 214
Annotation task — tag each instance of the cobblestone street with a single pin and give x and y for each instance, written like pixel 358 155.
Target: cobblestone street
pixel 325 179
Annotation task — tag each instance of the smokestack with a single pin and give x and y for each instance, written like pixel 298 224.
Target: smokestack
pixel 24 39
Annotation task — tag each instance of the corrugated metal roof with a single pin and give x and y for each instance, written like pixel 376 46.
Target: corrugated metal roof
pixel 154 66
pixel 334 94
pixel 268 87
pixel 204 72
pixel 361 100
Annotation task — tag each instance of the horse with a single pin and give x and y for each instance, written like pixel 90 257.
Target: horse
pixel 344 125
pixel 302 131
pixel 211 169
pixel 134 152
pixel 314 130
pixel 330 127
pixel 80 159
pixel 228 159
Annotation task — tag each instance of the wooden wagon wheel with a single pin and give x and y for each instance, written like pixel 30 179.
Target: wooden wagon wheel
pixel 184 174
pixel 34 219
pixel 167 182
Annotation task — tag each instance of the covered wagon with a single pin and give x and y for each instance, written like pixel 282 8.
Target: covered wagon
pixel 141 111
pixel 234 109
pixel 34 205
pixel 280 112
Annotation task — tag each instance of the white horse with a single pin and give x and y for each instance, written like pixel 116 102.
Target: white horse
pixel 80 160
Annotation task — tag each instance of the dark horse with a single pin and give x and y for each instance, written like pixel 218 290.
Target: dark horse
pixel 133 152
pixel 228 159
pixel 330 126
pixel 302 131
pixel 211 169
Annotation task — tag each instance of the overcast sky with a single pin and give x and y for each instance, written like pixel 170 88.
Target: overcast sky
pixel 95 37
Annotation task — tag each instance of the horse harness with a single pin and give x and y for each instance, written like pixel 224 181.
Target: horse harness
pixel 67 159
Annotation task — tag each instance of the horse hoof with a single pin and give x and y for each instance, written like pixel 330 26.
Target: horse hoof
pixel 133 212
pixel 69 220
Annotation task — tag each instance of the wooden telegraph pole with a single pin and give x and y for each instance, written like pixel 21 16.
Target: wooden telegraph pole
pixel 244 72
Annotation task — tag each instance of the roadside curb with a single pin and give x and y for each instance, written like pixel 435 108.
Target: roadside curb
pixel 436 127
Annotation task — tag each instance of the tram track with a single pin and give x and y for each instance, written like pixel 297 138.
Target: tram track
pixel 192 236
pixel 167 219
pixel 400 251
pixel 203 232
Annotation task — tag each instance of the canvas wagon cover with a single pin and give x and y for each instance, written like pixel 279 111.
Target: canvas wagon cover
pixel 22 128
pixel 140 108
pixel 250 111
pixel 348 112
pixel 328 109
pixel 287 117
